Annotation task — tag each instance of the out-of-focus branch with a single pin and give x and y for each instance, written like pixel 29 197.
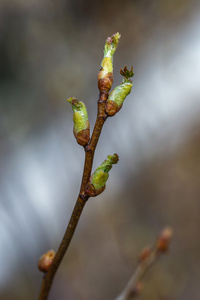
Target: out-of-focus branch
pixel 146 259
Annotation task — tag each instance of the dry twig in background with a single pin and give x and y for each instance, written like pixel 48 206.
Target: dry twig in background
pixel 146 259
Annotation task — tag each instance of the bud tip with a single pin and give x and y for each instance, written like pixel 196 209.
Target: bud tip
pixel 164 240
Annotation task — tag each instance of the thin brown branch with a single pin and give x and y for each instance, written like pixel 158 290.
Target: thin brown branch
pixel 49 276
pixel 147 258
pixel 81 200
pixel 90 148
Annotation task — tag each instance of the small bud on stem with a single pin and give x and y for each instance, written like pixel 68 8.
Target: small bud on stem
pixel 144 255
pixel 81 123
pixel 117 97
pixel 164 240
pixel 97 182
pixel 119 94
pixel 105 76
pixel 46 260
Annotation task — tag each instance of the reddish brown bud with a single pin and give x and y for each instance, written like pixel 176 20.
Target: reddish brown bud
pixel 105 82
pixel 112 108
pixel 164 240
pixel 92 192
pixel 46 260
pixel 144 255
pixel 83 136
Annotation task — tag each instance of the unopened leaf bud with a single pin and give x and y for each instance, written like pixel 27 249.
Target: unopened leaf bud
pixel 46 260
pixel 144 255
pixel 97 182
pixel 164 240
pixel 81 123
pixel 117 97
pixel 105 76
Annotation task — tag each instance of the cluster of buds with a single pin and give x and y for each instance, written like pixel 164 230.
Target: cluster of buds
pixel 114 102
pixel 81 123
pixel 147 258
pixel 161 246
pixel 97 181
pixel 105 78
pixel 46 260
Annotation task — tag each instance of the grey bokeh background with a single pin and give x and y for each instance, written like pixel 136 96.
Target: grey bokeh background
pixel 50 50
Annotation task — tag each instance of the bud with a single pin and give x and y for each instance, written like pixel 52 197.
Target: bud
pixel 105 76
pixel 46 260
pixel 81 123
pixel 164 240
pixel 117 97
pixel 145 254
pixel 97 182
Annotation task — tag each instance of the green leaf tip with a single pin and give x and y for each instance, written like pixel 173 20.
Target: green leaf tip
pixel 76 104
pixel 111 45
pixel 70 99
pixel 127 74
pixel 100 176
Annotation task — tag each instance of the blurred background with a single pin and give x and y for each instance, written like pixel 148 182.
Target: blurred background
pixel 51 50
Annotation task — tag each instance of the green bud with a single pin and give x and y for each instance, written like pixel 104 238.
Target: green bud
pixel 80 116
pixel 105 76
pixel 100 175
pixel 117 96
pixel 109 50
pixel 81 122
pixel 98 179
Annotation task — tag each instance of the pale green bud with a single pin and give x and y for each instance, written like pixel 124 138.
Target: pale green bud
pixel 109 50
pixel 105 76
pixel 81 122
pixel 80 116
pixel 117 97
pixel 100 175
pixel 119 94
pixel 97 182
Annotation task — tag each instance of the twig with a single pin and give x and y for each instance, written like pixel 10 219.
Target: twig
pixel 105 79
pixel 80 203
pixel 147 258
